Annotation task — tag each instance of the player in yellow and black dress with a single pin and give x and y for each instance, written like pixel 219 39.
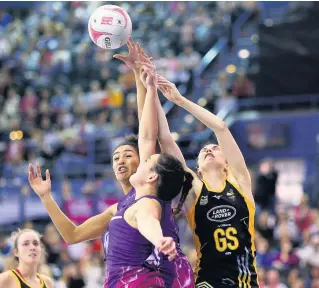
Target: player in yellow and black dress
pixel 220 204
pixel 223 228
pixel 28 252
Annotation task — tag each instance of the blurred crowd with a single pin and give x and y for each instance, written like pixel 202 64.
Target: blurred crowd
pixel 58 88
pixel 287 236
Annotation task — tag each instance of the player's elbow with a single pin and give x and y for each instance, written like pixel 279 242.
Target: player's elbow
pixel 221 126
pixel 72 238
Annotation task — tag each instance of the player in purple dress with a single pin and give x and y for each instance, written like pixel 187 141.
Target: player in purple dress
pixel 136 229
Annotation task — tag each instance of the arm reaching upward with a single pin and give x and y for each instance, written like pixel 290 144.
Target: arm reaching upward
pixel 167 142
pixel 225 139
pixel 136 53
pixel 71 233
pixel 148 129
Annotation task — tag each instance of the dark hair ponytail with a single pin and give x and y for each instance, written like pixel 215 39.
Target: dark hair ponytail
pixel 187 185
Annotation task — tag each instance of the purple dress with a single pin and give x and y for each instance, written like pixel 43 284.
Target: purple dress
pixel 177 273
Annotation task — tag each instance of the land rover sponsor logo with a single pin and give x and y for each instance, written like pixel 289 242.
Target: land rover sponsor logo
pixel 221 213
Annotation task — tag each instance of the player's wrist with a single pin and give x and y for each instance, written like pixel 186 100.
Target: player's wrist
pixel 46 198
pixel 180 101
pixel 136 70
pixel 151 86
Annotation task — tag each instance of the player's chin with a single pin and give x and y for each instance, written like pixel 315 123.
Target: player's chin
pixel 122 176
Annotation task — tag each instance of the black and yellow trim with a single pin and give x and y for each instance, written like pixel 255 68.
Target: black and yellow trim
pixel 251 229
pixel 192 224
pixel 20 279
pixel 211 190
pixel 16 278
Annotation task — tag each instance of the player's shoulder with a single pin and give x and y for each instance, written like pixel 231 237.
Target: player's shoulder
pixel 47 280
pixel 149 201
pixel 7 279
pixel 197 184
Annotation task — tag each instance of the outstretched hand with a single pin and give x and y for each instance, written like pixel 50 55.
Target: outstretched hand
pixel 135 53
pixel 169 90
pixel 41 187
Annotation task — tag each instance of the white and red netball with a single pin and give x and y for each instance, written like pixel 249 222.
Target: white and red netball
pixel 110 27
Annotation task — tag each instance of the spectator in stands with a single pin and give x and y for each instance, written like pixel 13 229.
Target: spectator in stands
pixel 243 87
pixel 265 189
pixel 272 279
pixel 10 110
pixel 302 215
pixel 189 60
pixel 285 226
pixel 309 253
pixel 313 278
pixel 293 277
pixel 265 224
pixel 60 100
pixel 285 259
pixel 227 100
pixel 71 277
pixel 264 255
pixel 52 243
pixel 221 84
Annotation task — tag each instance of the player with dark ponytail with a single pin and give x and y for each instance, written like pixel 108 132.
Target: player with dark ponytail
pixel 187 186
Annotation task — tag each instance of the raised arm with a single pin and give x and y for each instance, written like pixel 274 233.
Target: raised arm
pixel 148 217
pixel 71 233
pixel 167 142
pixel 136 53
pixel 148 128
pixel 225 139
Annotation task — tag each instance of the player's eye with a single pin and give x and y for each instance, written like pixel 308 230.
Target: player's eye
pixel 116 159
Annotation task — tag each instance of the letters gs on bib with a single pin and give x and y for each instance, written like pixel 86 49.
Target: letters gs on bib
pixel 110 27
pixel 221 213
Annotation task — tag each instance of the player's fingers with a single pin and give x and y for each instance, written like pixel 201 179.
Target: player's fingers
pixel 120 57
pixel 169 247
pixel 30 178
pixel 163 86
pixel 147 64
pixel 145 54
pixel 31 170
pixel 160 89
pixel 138 47
pixel 32 174
pixel 163 80
pixel 172 256
pixel 131 41
pixel 170 251
pixel 47 175
pixel 129 45
pixel 145 68
pixel 166 246
pixel 39 171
